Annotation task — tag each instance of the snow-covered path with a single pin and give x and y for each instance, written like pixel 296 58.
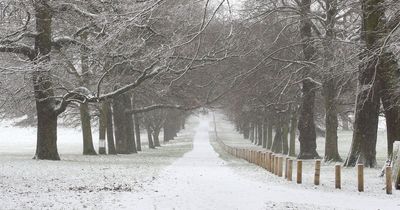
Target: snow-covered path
pixel 202 180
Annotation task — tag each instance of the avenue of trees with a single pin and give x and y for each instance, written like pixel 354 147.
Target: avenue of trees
pixel 315 65
pixel 283 71
pixel 118 61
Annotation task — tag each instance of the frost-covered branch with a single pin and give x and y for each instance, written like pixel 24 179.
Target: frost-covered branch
pixel 69 6
pixel 19 49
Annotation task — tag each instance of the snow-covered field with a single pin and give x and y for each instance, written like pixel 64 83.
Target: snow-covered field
pixel 180 175
pixel 77 181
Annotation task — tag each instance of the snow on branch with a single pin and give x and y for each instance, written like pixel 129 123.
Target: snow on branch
pixel 207 102
pixel 60 42
pixel 393 22
pixel 311 80
pixel 79 95
pixel 161 106
pixel 150 72
pixel 6 41
pixel 19 49
pixel 80 11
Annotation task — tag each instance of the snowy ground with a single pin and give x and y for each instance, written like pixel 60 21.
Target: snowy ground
pixel 374 185
pixel 77 182
pixel 203 178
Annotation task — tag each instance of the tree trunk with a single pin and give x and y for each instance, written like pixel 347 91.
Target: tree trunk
pixel 363 147
pixel 110 128
pixel 390 79
pixel 46 147
pixel 137 132
pixel 88 148
pixel 278 140
pixel 183 122
pixel 165 129
pixel 259 134
pixel 256 134
pixel 269 136
pixel 329 86
pixel 149 137
pixel 176 126
pixel 102 130
pixel 246 130
pixel 156 138
pixel 331 122
pixel 168 129
pixel 252 132
pixel 120 125
pixel 392 116
pixel 131 134
pixel 285 136
pixel 130 128
pixel 293 129
pixel 306 125
pixel 265 133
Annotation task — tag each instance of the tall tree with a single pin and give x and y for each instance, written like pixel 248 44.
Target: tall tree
pixel 363 147
pixel 329 86
pixel 306 124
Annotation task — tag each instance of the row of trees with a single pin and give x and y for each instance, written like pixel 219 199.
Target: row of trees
pixel 110 59
pixel 289 66
pixel 309 60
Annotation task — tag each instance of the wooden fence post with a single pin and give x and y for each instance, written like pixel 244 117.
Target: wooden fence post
pixel 289 170
pixel 338 181
pixel 264 160
pixel 280 166
pixel 272 163
pixel 360 170
pixel 299 171
pixel 388 172
pixel 249 151
pixel 269 161
pixel 286 160
pixel 317 172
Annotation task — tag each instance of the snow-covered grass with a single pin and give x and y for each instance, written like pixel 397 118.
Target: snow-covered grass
pixel 374 185
pixel 344 143
pixel 180 175
pixel 77 181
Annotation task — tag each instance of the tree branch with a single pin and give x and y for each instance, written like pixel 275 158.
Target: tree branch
pixel 143 77
pixel 80 11
pixel 19 49
pixel 60 42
